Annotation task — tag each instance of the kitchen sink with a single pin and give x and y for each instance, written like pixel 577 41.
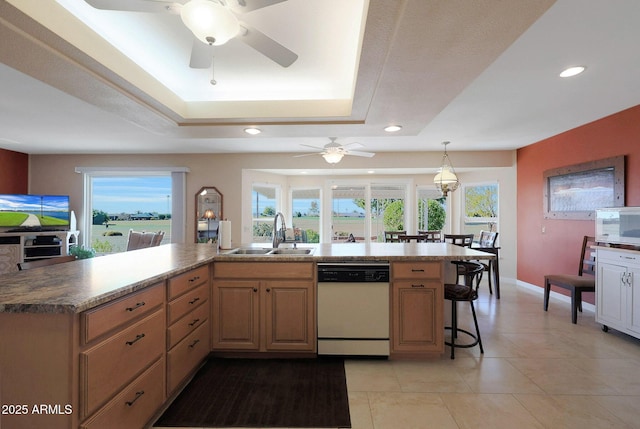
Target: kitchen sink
pixel 289 251
pixel 249 251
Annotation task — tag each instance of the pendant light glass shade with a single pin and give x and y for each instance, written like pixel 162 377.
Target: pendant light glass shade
pixel 446 180
pixel 209 21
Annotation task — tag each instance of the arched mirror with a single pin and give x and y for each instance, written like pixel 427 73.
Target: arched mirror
pixel 208 214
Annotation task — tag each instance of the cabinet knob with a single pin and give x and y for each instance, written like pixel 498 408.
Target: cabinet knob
pixel 268 289
pixel 255 289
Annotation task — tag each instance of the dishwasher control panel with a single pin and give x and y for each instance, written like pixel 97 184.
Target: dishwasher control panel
pixel 353 273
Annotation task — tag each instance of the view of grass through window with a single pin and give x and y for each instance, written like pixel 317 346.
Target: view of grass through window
pixel 121 203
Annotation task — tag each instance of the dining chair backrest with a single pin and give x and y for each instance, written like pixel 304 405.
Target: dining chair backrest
pixel 392 236
pixel 588 256
pixel 488 239
pixel 141 240
pixel 405 238
pixel 432 236
pixel 464 240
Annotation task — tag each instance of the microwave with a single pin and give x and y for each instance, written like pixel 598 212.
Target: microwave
pixel 618 225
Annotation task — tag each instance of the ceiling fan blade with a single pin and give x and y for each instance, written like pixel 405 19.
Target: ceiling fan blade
pixel 306 154
pixel 312 147
pixel 201 55
pixel 153 6
pixel 354 144
pixel 358 153
pixel 267 46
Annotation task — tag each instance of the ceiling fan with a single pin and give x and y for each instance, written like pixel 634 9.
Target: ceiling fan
pixel 333 152
pixel 212 22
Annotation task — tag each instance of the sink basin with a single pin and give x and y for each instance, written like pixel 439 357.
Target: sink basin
pixel 289 251
pixel 249 251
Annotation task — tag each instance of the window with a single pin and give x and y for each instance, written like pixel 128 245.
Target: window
pixel 348 213
pixel 305 213
pixel 480 208
pixel 431 209
pixel 265 203
pixel 387 210
pixel 116 200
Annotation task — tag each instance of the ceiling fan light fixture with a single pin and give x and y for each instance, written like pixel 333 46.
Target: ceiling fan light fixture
pixel 209 20
pixel 332 157
pixel 446 180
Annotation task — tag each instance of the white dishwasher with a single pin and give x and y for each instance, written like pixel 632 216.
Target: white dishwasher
pixel 353 308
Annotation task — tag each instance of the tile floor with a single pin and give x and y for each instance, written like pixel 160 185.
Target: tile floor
pixel 538 371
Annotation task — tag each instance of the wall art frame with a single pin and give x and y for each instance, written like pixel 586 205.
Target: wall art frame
pixel 576 191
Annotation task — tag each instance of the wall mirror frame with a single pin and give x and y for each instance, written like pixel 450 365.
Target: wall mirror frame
pixel 208 214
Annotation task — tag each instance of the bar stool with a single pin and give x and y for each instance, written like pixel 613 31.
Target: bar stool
pixel 464 292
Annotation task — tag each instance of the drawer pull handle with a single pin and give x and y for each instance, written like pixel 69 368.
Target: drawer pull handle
pixel 138 395
pixel 194 300
pixel 135 307
pixel 194 279
pixel 416 270
pixel 138 338
pixel 194 322
pixel 417 285
pixel 192 345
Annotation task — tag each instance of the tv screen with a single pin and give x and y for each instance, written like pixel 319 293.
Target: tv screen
pixel 34 211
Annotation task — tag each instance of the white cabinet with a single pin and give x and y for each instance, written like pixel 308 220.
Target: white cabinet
pixel 18 247
pixel 618 290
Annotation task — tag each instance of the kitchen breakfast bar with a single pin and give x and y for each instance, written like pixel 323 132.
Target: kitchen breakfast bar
pixel 110 341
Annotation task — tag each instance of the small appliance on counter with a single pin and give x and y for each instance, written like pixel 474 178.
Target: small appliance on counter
pixel 618 225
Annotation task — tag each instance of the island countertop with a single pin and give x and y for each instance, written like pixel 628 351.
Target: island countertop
pixel 80 285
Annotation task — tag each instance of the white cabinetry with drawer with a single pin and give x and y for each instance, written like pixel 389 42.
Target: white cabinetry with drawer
pixel 618 290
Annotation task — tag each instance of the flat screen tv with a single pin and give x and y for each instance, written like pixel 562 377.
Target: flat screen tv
pixel 20 211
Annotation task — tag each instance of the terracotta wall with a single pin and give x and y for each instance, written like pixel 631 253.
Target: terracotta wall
pixel 556 249
pixel 14 172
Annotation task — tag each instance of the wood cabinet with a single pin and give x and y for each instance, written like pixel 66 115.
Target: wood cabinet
pixel 618 290
pixel 267 307
pixel 188 338
pixel 417 308
pixel 124 346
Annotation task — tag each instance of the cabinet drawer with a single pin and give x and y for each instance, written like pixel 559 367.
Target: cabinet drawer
pixel 182 283
pixel 416 270
pixel 187 324
pixel 623 257
pixel 108 366
pixel 184 357
pixel 264 270
pixel 135 405
pixel 187 302
pixel 101 320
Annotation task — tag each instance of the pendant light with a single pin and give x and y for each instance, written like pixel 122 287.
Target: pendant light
pixel 446 180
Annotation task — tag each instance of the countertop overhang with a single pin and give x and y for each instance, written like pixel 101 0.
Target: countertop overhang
pixel 80 285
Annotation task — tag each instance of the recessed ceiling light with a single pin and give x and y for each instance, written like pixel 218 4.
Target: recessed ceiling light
pixel 572 71
pixel 393 128
pixel 371 171
pixel 252 131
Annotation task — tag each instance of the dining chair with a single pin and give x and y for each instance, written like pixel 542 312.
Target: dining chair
pixel 432 236
pixel 141 240
pixel 465 292
pixel 575 283
pixel 487 241
pixel 464 240
pixel 27 265
pixel 392 236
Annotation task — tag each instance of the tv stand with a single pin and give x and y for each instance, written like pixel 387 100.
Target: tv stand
pixel 17 247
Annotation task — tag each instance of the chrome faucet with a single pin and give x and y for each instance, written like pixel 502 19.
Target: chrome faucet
pixel 277 238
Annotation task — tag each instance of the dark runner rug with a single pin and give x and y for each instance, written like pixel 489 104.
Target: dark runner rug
pixel 263 393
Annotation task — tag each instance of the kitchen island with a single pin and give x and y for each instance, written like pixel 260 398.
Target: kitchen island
pixel 108 341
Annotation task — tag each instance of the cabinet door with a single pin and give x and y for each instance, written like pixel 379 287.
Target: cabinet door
pixel 611 295
pixel 289 315
pixel 235 315
pixel 417 308
pixel 633 299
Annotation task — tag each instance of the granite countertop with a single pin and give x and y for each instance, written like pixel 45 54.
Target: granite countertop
pixel 80 285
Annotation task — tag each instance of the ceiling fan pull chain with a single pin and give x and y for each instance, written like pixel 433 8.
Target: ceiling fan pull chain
pixel 213 80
